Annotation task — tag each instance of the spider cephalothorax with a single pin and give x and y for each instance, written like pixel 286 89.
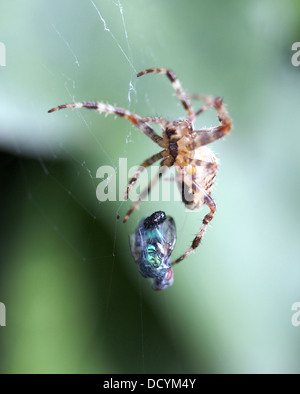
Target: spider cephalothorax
pixel 182 146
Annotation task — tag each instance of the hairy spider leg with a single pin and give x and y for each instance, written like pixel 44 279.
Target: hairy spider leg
pixel 209 100
pixel 183 97
pixel 108 109
pixel 158 120
pixel 207 218
pixel 162 169
pixel 141 168
pixel 206 136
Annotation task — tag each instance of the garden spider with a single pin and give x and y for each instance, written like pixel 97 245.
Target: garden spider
pixel 182 146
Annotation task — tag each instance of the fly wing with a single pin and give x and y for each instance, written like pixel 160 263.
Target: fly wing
pixel 168 233
pixel 133 247
pixel 137 241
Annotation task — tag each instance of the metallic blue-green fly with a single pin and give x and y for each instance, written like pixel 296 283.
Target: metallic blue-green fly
pixel 151 246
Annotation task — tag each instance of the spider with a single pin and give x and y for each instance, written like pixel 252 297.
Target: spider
pixel 182 147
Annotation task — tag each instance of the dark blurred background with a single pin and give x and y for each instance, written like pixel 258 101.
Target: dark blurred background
pixel 75 302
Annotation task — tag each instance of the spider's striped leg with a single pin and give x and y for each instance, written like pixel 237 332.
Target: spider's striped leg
pixel 162 169
pixel 155 119
pixel 209 100
pixel 207 218
pixel 206 136
pixel 123 113
pixel 183 97
pixel 204 108
pixel 141 168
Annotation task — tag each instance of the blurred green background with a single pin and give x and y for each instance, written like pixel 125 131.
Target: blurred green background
pixel 75 302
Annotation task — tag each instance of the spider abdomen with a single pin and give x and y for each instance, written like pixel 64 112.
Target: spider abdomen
pixel 193 180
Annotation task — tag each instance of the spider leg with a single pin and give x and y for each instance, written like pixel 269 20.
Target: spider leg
pixel 207 218
pixel 123 113
pixel 141 168
pixel 158 120
pixel 183 97
pixel 162 169
pixel 209 100
pixel 206 136
pixel 200 97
